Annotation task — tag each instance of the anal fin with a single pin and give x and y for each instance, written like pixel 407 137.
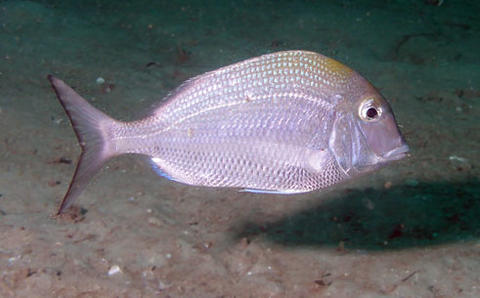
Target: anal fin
pixel 274 192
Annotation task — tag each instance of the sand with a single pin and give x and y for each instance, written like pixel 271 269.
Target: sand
pixel 409 230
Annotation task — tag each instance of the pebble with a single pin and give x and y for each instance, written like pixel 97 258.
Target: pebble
pixel 154 221
pixel 457 158
pixel 162 286
pixel 114 270
pixel 100 80
pixel 13 259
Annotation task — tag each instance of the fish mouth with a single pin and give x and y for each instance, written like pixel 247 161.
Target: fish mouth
pixel 397 153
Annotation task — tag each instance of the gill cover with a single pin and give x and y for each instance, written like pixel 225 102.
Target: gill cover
pixel 350 147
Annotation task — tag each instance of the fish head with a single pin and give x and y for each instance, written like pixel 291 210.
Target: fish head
pixel 366 134
pixel 379 134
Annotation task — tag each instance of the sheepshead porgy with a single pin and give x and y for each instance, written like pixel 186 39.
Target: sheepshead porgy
pixel 286 122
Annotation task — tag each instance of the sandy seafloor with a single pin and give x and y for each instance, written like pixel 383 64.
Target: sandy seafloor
pixel 409 230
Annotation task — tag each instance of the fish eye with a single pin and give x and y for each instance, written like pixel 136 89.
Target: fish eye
pixel 369 110
pixel 371 113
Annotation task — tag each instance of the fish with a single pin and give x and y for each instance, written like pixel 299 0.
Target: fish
pixel 283 123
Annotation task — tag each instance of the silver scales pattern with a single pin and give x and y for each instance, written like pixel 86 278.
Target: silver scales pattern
pixel 263 123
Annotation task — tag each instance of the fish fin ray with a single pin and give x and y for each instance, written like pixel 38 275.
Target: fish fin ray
pixel 275 192
pixel 92 128
pixel 155 163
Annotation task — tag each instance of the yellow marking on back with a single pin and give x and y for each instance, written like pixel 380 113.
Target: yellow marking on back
pixel 323 70
pixel 336 67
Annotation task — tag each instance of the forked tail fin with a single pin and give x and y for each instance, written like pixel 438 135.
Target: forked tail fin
pixel 93 129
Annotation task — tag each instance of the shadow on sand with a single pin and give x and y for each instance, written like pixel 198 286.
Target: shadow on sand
pixel 395 218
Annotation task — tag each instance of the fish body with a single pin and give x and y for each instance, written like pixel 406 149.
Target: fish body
pixel 285 122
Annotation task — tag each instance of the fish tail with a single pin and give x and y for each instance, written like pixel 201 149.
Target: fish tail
pixel 93 129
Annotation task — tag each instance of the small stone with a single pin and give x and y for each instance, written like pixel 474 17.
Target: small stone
pixel 100 80
pixel 154 221
pixel 457 158
pixel 162 286
pixel 114 270
pixel 53 183
pixel 13 259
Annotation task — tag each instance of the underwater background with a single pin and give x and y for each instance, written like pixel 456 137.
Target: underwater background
pixel 411 229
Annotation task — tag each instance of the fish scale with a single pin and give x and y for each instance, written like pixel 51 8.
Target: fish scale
pixel 271 137
pixel 285 122
pixel 199 93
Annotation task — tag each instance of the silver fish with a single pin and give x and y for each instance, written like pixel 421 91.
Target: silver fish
pixel 285 122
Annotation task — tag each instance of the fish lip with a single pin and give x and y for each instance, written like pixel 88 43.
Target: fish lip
pixel 397 153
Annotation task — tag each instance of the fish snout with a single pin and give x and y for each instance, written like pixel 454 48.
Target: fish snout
pixel 397 153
